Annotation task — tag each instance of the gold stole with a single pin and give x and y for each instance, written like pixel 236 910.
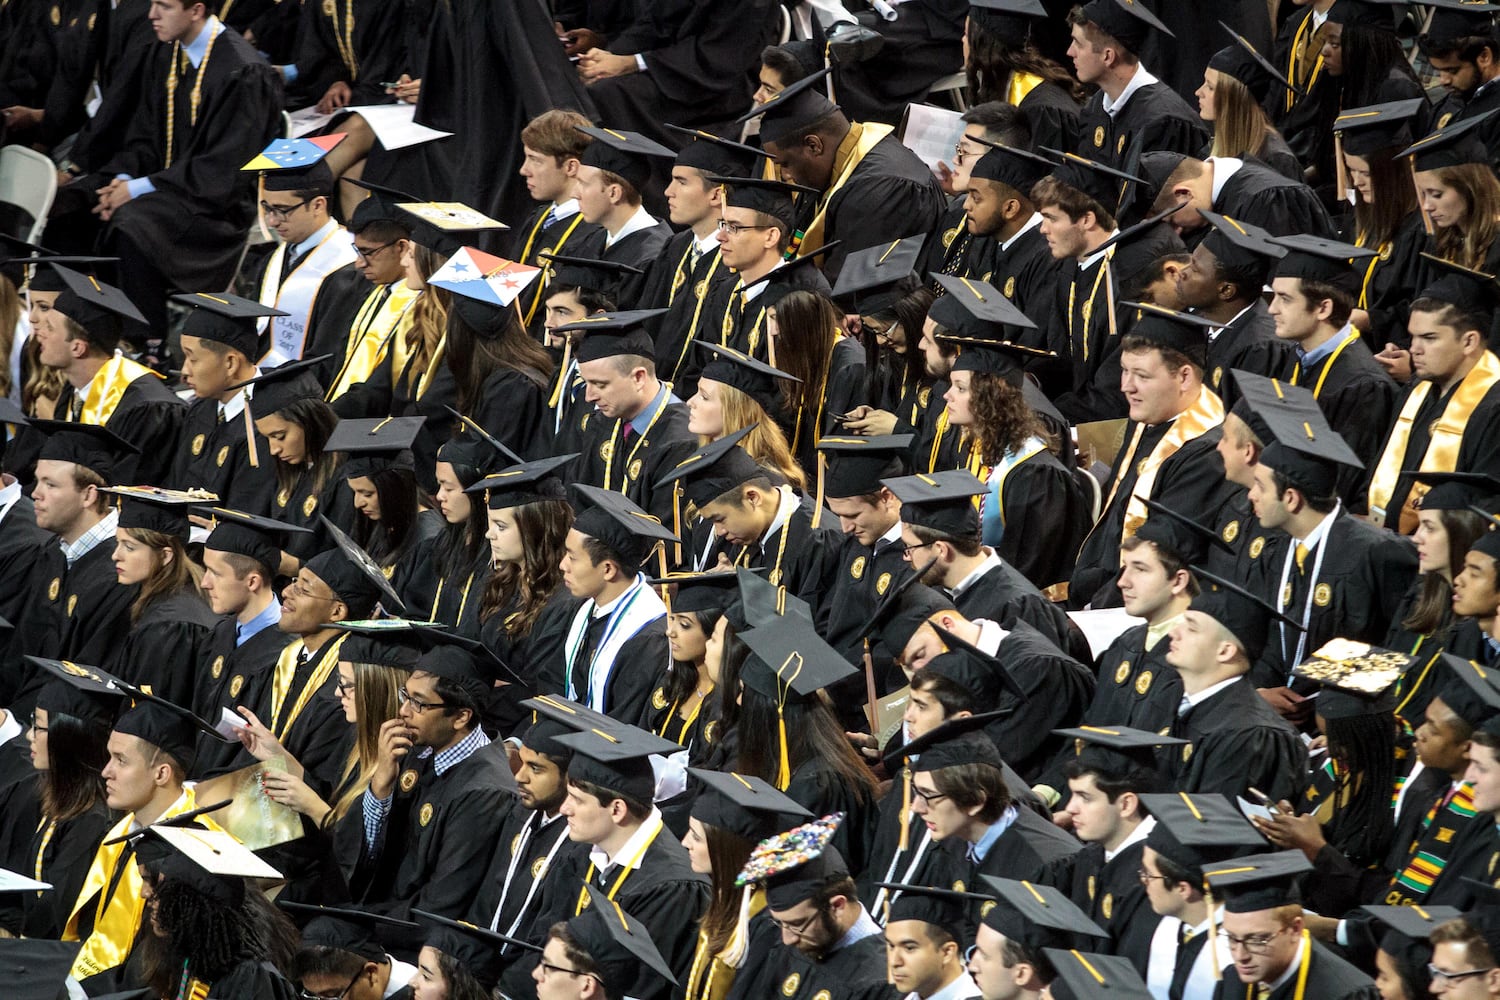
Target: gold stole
pixel 107 387
pixel 1206 413
pixel 711 976
pixel 377 326
pixel 286 671
pixel 117 918
pixel 1442 449
pixel 1020 85
pixel 856 146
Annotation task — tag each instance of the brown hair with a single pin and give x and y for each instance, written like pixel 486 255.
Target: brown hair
pixel 1101 39
pixel 84 476
pixel 727 854
pixel 1075 204
pixel 1476 184
pixel 809 326
pixel 1460 931
pixel 1390 178
pixel 168 577
pixel 1433 609
pixel 544 524
pixel 425 336
pixel 971 785
pixel 1002 419
pixel 375 703
pixel 1189 169
pixel 555 133
pixel 1241 127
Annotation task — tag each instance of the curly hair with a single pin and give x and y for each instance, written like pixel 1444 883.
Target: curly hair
pixel 1002 419
pixel 532 582
pixel 198 934
pixel 992 60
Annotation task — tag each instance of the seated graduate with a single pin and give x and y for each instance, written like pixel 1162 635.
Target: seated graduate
pixel 393 514
pixel 551 145
pixel 1250 192
pixel 685 707
pixel 805 337
pixel 1003 62
pixel 215 451
pixel 1238 83
pixel 614 170
pixel 925 938
pixel 603 953
pixel 735 391
pixel 575 292
pixel 341 950
pixel 1021 926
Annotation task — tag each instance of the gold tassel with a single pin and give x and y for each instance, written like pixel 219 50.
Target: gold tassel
pixel 905 841
pixel 784 764
pixel 250 432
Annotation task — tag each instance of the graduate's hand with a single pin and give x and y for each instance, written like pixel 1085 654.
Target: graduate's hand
pixel 1290 705
pixel 111 196
pixel 870 421
pixel 290 564
pixel 1360 320
pixel 335 98
pixel 18 117
pixel 865 744
pixel 262 743
pixel 945 178
pixel 1396 362
pixel 406 89
pixel 393 745
pixel 1291 832
pixel 291 791
pixel 1063 820
pixel 580 40
pixel 1321 927
pixel 597 64
pixel 723 565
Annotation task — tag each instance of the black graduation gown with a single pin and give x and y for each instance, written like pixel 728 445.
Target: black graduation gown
pixel 63 851
pixel 641 249
pixel 389 393
pixel 843 391
pixel 1078 329
pixel 636 671
pixel 1058 688
pixel 885 861
pixel 165 650
pixel 1236 741
pixel 512 408
pixel 938 445
pixel 1478 452
pixel 510 896
pixel 328 35
pixel 1391 282
pixel 542 233
pixel 452 598
pixel 1359 400
pixel 215 456
pixel 1053 115
pixel 1256 193
pixel 741 324
pixel 1482 102
pixel 923 42
pixel 854 972
pixel 1467 640
pixel 951 249
pixel 253 978
pixel 1253 545
pixel 237 675
pixel 796 556
pixel 1419 683
pixel 640 463
pixel 301 505
pixel 22 546
pixel 1028 275
pixel 686 292
pixel 1024 852
pixel 821 791
pixel 125 42
pixel 1155 118
pixel 1249 343
pixel 341 296
pixel 149 416
pixel 1003 595
pixel 1328 976
pixel 538 655
pixel 29 57
pixel 1041 499
pixel 568 410
pixel 1110 892
pixel 861 578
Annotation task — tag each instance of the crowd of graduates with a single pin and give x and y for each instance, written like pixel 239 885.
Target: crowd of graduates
pixel 633 529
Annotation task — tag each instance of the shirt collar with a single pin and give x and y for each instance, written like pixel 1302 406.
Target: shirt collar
pixel 198 47
pixel 244 631
pixel 460 751
pixel 642 421
pixel 633 850
pixel 962 988
pixel 979 850
pixel 1156 633
pixel 565 209
pixel 752 291
pixel 10 728
pixel 84 543
pixel 864 926
pixel 1214 333
pixel 893 534
pixel 1087 262
pixel 401 976
pixel 1324 349
pixel 642 219
pixel 1136 836
pixel 601 610
pixel 236 405
pixel 1225 167
pixel 784 511
pixel 991 635
pixel 1315 537
pixel 709 243
pixel 991 561
pixel 315 239
pixel 1194 700
pixel 1142 78
pixel 1031 223
pixel 1290 970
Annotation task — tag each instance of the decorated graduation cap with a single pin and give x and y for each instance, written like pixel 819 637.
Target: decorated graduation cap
pixel 345 929
pixel 1470 290
pixel 743 805
pixel 1036 916
pixel 856 465
pixel 35 968
pixel 942 908
pixel 956 742
pixel 1355 685
pixel 225 319
pixel 485 288
pixel 754 378
pixel 213 862
pixel 94 305
pixel 1377 14
pixel 769 197
pixel 941 502
pixel 873 279
pixel 1249 67
pixel 1089 975
pixel 351 574
pixel 617 759
pixel 1128 21
pixel 1018 169
pixel 1259 882
pixel 1244 250
pixel 714 469
pixel 1185 333
pixel 1248 617
pixel 280 387
pixel 77 692
pixel 92 446
pixel 1116 750
pixel 379 206
pixel 442 225
pixel 1453 146
pixel 477 949
pixel 1007 18
pixel 1199 831
pixel 617 944
pixel 1312 258
pixel 382 642
pixel 620 523
pixel 296 164
pixel 375 444
pixel 529 482
pixel 1108 186
pixel 794 111
pixel 1374 127
pixel 1179 534
pixel 584 272
pixel 975 310
pixel 159 511
pixel 796 865
pixel 615 334
pixel 1306 451
pixel 1472 691
pixel 1456 490
pixel 623 153
pixel 714 155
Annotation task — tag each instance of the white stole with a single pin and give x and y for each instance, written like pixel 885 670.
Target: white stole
pixel 642 605
pixel 1201 982
pixel 296 295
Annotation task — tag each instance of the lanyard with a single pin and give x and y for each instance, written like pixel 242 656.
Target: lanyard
pixel 541 286
pixel 615 617
pixel 1312 587
pixel 692 334
pixel 1328 367
pixel 536 880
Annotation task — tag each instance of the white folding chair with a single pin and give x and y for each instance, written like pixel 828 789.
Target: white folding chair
pixel 28 180
pixel 955 87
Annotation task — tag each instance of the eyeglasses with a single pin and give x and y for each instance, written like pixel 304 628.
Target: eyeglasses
pixel 417 705
pixel 365 255
pixel 1453 977
pixel 300 591
pixel 927 798
pixel 280 213
pixel 548 968
pixel 1146 878
pixel 1255 944
pixel 344 688
pixel 36 728
pixel 961 152
pixel 907 550
pixel 797 927
pixel 735 228
pixel 306 995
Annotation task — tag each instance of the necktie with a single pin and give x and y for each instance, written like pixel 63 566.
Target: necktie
pixel 1262 991
pixel 1184 706
pixel 288 264
pixel 1301 554
pixel 220 420
pixel 694 256
pixel 548 217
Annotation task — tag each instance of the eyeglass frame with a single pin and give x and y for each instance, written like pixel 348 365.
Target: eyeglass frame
pixel 736 228
pixel 296 588
pixel 907 550
pixel 927 800
pixel 275 213
pixel 338 996
pixel 1453 977
pixel 548 968
pixel 365 255
pixel 1258 948
pixel 801 926
pixel 1146 878
pixel 960 153
pixel 418 706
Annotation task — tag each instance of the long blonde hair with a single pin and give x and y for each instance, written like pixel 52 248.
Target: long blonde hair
pixel 375 703
pixel 429 315
pixel 766 443
pixel 1240 125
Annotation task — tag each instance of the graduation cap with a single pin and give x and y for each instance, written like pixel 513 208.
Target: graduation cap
pixel 618 945
pixel 477 949
pixel 763 603
pixel 617 759
pixel 213 862
pixel 92 304
pixel 614 334
pixel 620 523
pixel 1199 831
pixel 1016 168
pixel 1455 490
pixel 780 280
pixel 1311 258
pixel 1105 184
pixel 1472 691
pixel 383 642
pixel 1259 882
pixel 1376 14
pixel 971 667
pixel 1088 975
pixel 556 716
pixel 1007 18
pixel 280 387
pixel 1374 127
pixel 769 197
pixel 975 309
pixel 743 805
pixel 754 378
pixel 529 482
pixel 794 111
pixel 941 502
pixel 92 446
pixel 1249 67
pixel 1306 451
pixel 956 742
pixel 715 155
pixel 345 929
pixel 1244 250
pixel 1489 542
pixel 942 908
pixel 1115 750
pixel 856 465
pixel 1453 20
pixel 1466 288
pixel 1452 146
pixel 225 319
pixel 379 206
pixel 78 692
pixel 714 469
pixel 296 164
pixel 1035 915
pixel 352 575
pixel 1185 333
pixel 46 272
pixel 1127 21
pixel 905 609
pixel 1354 687
pixel 873 279
pixel 375 444
pixel 1179 534
pixel 790 661
pixel 442 225
pixel 249 535
pixel 35 968
pixel 1248 617
pixel 476 453
pixel 465 662
pixel 1406 941
pixel 796 865
pixel 623 153
pixel 584 272
pixel 167 726
pixel 163 512
pixel 485 288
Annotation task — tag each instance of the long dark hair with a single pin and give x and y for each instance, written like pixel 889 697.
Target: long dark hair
pixel 808 325
pixel 317 420
pixel 460 545
pixel 683 677
pixel 992 60
pixel 813 733
pixel 473 358
pixel 727 854
pixel 1363 749
pixel 1002 420
pixel 201 935
pixel 400 501
pixel 1433 609
pixel 460 982
pixel 77 750
pixel 1395 200
pixel 531 583
pixel 901 369
pixel 1369 56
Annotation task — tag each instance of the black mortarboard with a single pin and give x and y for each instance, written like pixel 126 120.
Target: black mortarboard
pixel 618 522
pixel 1185 333
pixel 477 949
pixel 1128 21
pixel 529 482
pixel 380 206
pixel 1379 14
pixel 1457 144
pixel 1248 66
pixel 714 155
pixel 1456 19
pixel 1312 258
pixel 975 309
pixel 1367 130
pixel 343 928
pixel 769 197
pixel 872 279
pixel 856 465
pixel 1137 248
pixel 791 113
pixel 714 469
pixel 1010 19
pixel 1035 915
pixel 618 944
pixel 457 664
pixel 35 968
pixel 1116 749
pixel 1108 186
pixel 1489 542
pixel 1472 691
pixel 1188 539
pixel 213 862
pixel 1259 882
pixel 172 729
pixel 386 642
pixel 93 305
pixel 941 502
pixel 1455 490
pixel 755 379
pixel 790 661
pixel 623 153
pixel 942 908
pixel 1198 831
pixel 617 759
pixel 1305 450
pixel 1413 921
pixel 557 716
pixel 584 272
pixel 764 603
pixel 797 864
pixel 78 692
pixel 956 742
pixel 713 591
pixel 92 446
pixel 225 319
pixel 1247 616
pixel 475 453
pixel 347 579
pixel 442 226
pixel 781 280
pixel 375 444
pixel 905 609
pixel 1091 976
pixel 1406 942
pixel 1243 250
pixel 743 805
pixel 966 670
pixel 46 272
pixel 1466 288
pixel 163 512
pixel 280 387
pixel 613 335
